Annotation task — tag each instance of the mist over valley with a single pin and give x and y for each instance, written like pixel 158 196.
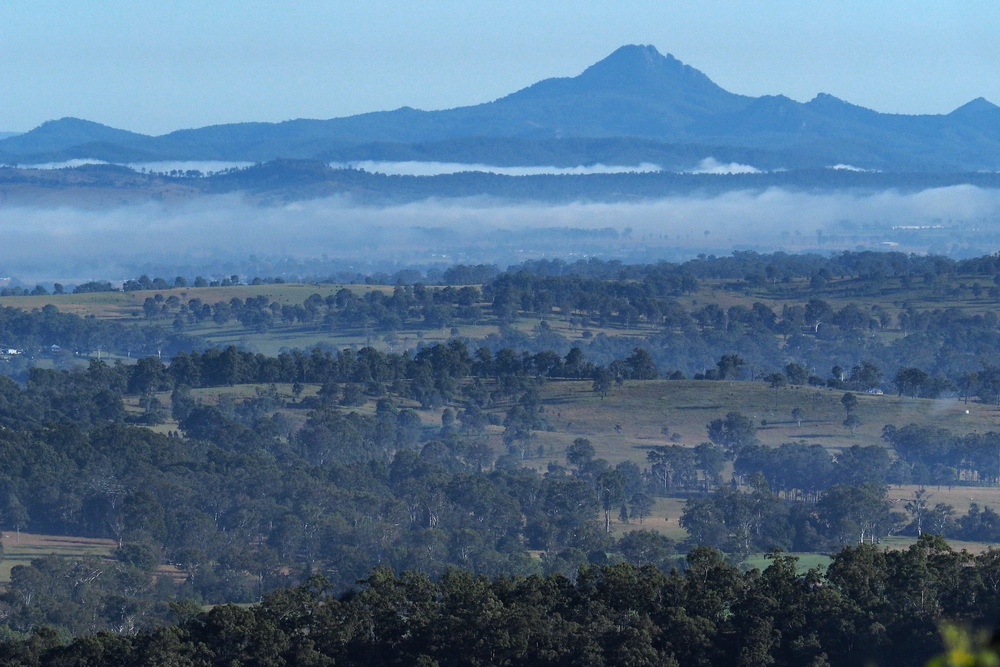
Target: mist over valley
pixel 196 235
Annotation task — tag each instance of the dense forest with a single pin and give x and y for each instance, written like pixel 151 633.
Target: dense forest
pixel 869 606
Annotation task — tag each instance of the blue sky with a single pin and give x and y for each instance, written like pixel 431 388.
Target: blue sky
pixel 154 67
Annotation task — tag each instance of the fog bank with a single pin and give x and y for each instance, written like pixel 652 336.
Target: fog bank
pixel 46 243
pixel 422 168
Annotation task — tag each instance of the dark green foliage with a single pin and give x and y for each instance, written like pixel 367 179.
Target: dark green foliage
pixel 935 455
pixel 93 286
pixel 734 433
pixel 871 606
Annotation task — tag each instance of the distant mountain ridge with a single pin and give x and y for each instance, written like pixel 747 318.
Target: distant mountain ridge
pixel 636 104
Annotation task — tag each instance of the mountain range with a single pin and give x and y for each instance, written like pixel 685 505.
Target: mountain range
pixel 634 106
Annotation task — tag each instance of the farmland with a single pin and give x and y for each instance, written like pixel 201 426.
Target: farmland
pixel 527 424
pixel 22 548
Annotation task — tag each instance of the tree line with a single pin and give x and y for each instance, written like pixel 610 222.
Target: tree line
pixel 870 606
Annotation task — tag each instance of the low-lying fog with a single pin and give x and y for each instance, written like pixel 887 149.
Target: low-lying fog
pixel 414 168
pixel 421 168
pixel 202 235
pixel 708 165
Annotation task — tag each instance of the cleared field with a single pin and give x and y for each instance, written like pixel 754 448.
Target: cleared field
pixel 282 336
pixel 128 305
pixel 638 416
pixel 955 293
pixel 22 549
pixel 663 519
pixel 807 561
pixel 959 497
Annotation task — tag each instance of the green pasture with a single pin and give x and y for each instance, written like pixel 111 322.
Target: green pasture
pixel 21 549
pixel 639 416
pixel 128 305
pixel 945 292
pixel 282 336
pixel 954 292
pixel 806 561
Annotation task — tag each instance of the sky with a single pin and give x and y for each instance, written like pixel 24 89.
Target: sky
pixel 154 67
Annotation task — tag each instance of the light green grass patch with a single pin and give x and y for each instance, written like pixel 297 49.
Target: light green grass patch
pixel 806 561
pixel 22 549
pixel 638 416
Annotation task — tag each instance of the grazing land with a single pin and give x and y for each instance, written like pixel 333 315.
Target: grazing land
pixel 962 295
pixel 637 416
pixel 22 548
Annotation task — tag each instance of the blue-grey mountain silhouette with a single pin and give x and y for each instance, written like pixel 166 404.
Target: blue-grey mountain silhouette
pixel 634 105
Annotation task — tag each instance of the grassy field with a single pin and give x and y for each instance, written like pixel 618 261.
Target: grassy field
pixel 663 519
pixel 948 292
pixel 631 420
pixel 127 307
pixel 283 336
pixel 807 561
pixel 638 416
pixel 959 497
pixel 22 549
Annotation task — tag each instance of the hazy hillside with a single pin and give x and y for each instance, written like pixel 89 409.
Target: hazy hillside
pixel 634 93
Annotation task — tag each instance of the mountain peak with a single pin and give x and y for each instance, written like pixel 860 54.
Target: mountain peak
pixel 643 68
pixel 827 99
pixel 632 56
pixel 828 104
pixel 976 106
